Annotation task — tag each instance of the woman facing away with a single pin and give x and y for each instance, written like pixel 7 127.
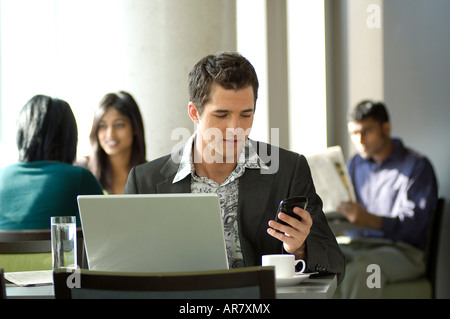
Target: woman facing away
pixel 44 182
pixel 117 141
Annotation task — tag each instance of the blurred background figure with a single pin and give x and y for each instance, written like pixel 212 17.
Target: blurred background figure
pixel 396 190
pixel 44 182
pixel 117 140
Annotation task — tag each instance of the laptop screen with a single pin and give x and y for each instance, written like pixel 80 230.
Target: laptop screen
pixel 153 233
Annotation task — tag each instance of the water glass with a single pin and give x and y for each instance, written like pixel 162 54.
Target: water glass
pixel 64 242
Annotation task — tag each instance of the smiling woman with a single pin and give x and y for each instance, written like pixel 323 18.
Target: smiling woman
pixel 117 141
pixel 115 133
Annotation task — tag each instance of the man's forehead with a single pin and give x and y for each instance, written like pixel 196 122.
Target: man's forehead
pixel 366 123
pixel 221 97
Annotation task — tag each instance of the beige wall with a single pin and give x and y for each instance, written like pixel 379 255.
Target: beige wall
pixel 416 89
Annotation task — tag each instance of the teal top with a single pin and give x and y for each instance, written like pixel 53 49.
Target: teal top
pixel 30 193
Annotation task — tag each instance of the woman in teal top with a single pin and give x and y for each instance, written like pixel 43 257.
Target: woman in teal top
pixel 44 183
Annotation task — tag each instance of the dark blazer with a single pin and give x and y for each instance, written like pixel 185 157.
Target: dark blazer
pixel 259 196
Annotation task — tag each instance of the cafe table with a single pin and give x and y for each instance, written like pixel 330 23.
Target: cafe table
pixel 315 287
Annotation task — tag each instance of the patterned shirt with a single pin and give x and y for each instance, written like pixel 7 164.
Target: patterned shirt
pixel 227 191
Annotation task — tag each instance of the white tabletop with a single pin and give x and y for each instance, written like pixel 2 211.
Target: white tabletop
pixel 322 287
pixel 33 292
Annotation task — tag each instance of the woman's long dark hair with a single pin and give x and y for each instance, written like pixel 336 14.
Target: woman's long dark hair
pixel 47 130
pixel 99 162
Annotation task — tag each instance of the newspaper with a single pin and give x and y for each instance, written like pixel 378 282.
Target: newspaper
pixel 331 178
pixel 29 278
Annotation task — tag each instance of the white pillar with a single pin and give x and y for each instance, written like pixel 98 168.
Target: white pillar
pixel 164 39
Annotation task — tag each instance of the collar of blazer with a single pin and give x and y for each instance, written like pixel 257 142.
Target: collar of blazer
pixel 251 178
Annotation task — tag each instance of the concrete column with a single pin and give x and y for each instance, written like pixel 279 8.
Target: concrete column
pixel 164 39
pixel 277 71
pixel 354 62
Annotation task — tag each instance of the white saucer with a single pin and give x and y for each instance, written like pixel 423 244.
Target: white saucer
pixel 295 280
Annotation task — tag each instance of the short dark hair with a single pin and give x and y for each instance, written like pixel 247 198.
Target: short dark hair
pixel 47 130
pixel 230 70
pixel 126 105
pixel 369 109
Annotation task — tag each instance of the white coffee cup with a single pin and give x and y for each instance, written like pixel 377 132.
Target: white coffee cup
pixel 284 264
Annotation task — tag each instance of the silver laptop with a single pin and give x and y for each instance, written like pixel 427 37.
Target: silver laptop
pixel 153 233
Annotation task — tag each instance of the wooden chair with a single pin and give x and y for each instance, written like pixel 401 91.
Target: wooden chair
pixel 25 250
pixel 241 283
pixel 425 286
pixel 2 285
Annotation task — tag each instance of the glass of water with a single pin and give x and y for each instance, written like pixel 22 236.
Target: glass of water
pixel 64 242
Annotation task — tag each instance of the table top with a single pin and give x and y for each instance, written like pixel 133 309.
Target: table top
pixel 319 287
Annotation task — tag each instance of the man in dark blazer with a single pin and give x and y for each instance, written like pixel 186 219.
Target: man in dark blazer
pixel 250 178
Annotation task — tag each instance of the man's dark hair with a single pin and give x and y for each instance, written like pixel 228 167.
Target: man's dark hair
pixel 230 70
pixel 369 109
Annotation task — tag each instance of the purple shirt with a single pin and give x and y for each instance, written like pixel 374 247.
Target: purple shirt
pixel 402 189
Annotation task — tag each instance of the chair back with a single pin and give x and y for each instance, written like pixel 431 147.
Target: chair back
pixel 2 285
pixel 432 249
pixel 25 250
pixel 251 282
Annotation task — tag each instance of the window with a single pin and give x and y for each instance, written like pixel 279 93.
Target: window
pixel 307 78
pixel 305 24
pixel 252 43
pixel 58 48
pixel 72 50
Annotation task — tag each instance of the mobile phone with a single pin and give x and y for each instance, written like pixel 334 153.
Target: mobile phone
pixel 287 206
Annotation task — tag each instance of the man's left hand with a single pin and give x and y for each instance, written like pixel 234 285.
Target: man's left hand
pixel 357 214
